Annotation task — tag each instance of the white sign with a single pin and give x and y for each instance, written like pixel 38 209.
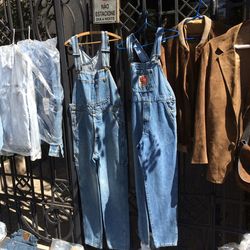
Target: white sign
pixel 106 11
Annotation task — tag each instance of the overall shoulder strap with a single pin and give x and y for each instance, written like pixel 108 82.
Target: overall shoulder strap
pixel 76 52
pixel 105 50
pixel 156 52
pixel 133 44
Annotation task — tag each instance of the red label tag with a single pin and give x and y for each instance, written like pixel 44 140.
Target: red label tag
pixel 143 80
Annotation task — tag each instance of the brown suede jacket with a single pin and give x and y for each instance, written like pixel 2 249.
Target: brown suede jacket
pixel 223 101
pixel 181 62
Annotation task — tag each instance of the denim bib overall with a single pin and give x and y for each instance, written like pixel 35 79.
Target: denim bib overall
pixel 100 149
pixel 154 141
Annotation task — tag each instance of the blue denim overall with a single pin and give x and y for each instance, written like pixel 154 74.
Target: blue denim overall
pixel 154 141
pixel 100 150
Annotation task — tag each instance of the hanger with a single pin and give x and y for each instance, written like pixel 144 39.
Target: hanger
pixel 143 24
pixel 115 37
pixel 246 45
pixel 29 33
pixel 194 19
pixel 197 16
pixel 142 28
pixel 242 46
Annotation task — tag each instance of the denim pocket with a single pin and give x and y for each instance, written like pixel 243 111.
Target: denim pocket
pixel 170 105
pixel 143 80
pixel 91 90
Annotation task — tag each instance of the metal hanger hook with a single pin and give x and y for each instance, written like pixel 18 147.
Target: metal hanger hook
pixel 29 32
pixel 13 36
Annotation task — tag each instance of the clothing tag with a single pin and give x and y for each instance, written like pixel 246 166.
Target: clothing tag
pixel 143 80
pixel 26 235
pixel 46 105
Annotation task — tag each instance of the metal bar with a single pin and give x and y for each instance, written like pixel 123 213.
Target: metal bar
pixel 33 210
pixel 223 206
pixel 214 9
pixel 159 13
pixel 20 17
pixel 5 189
pixel 52 180
pixel 35 21
pixel 213 216
pixel 9 14
pixel 68 134
pixel 245 9
pixel 32 24
pixel 176 7
pixel 144 5
pixel 5 11
pixel 17 200
pixel 248 9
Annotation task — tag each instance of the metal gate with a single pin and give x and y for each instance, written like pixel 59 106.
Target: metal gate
pixel 42 196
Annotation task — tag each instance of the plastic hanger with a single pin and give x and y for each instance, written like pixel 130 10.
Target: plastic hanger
pixel 142 28
pixel 187 20
pixel 197 16
pixel 115 37
pixel 243 46
pixel 145 24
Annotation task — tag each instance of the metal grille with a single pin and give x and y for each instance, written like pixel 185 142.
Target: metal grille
pixel 39 196
pixel 42 196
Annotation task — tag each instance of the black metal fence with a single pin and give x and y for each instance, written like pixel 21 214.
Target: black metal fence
pixel 42 196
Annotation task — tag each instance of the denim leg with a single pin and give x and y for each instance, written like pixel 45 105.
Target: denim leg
pixel 113 174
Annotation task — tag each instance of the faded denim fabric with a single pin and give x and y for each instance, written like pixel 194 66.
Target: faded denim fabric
pixel 58 244
pixel 154 141
pixel 46 58
pixel 100 149
pixel 21 240
pixel 18 110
